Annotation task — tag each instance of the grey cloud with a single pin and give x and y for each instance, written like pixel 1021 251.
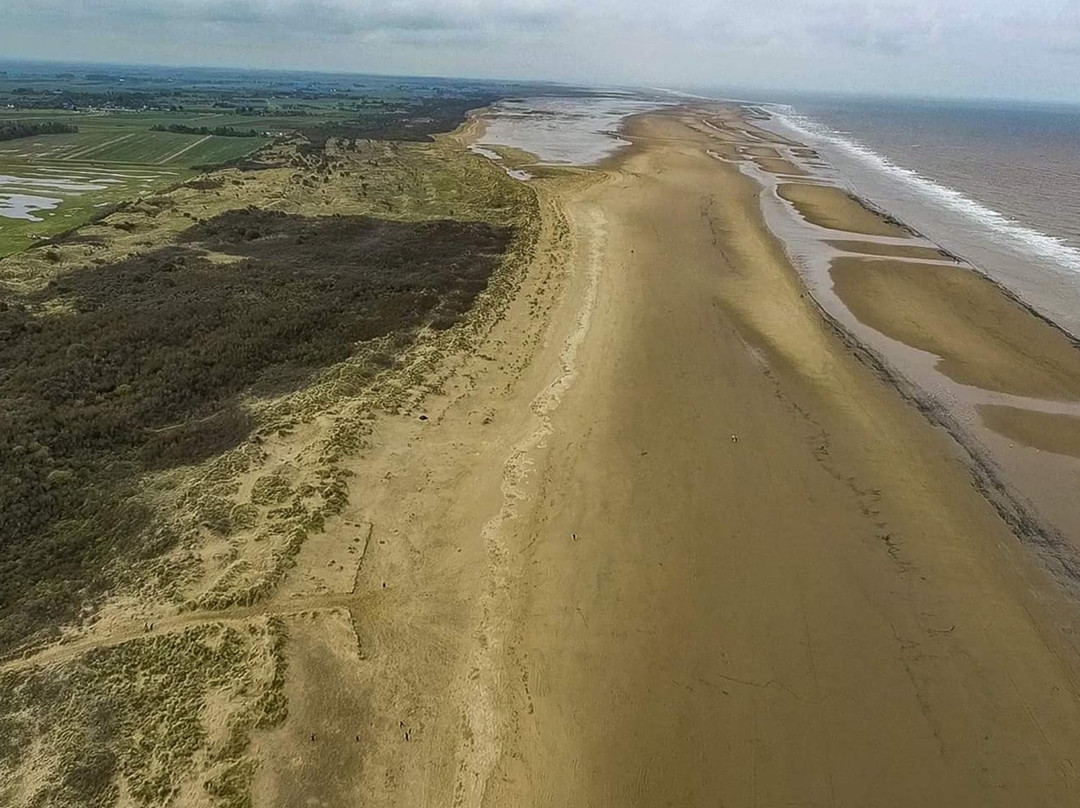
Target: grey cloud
pixel 330 17
pixel 953 46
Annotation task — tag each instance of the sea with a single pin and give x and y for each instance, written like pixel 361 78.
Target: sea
pixel 997 183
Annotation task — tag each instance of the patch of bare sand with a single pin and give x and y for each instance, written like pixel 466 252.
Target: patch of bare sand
pixel 836 209
pixel 430 591
pixel 760 151
pixel 1048 432
pixel 726 151
pixel 328 562
pixel 889 250
pixel 316 757
pixel 983 337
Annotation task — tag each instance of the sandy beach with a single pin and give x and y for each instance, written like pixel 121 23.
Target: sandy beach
pixel 679 541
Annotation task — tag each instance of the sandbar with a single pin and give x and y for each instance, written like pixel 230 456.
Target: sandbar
pixel 982 336
pixel 836 209
pixel 916 251
pixel 777 165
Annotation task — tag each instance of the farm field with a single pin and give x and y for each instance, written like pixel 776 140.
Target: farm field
pixel 52 183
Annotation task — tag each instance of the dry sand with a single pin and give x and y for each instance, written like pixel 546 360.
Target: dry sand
pixel 834 208
pixel 983 337
pixel 676 544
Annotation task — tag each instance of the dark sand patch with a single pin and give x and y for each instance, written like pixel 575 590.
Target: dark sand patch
pixel 761 151
pixel 727 151
pixel 836 209
pixel 983 337
pixel 1050 432
pixel 890 250
pixel 777 165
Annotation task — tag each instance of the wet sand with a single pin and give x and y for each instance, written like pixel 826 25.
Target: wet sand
pixel 679 542
pixel 760 151
pixel 1047 432
pixel 779 166
pixel 982 337
pixel 834 208
pixel 888 250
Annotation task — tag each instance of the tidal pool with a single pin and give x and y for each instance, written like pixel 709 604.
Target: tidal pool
pixel 564 131
pixel 68 185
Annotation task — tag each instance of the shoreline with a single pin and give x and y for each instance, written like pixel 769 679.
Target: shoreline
pixel 1037 264
pixel 1013 295
pixel 1029 525
pixel 1030 521
pixel 1037 480
pixel 1058 551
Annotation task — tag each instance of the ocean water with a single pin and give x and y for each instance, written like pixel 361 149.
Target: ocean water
pixel 998 184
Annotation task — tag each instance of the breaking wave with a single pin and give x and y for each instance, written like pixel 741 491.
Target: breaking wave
pixel 1026 238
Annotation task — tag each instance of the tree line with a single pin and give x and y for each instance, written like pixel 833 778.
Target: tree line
pixel 13 130
pixel 219 131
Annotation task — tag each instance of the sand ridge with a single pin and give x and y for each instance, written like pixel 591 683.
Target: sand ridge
pixel 915 251
pixel 1048 432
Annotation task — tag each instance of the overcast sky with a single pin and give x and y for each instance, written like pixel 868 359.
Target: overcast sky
pixel 987 48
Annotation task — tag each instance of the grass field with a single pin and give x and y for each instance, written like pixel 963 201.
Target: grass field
pixel 52 183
